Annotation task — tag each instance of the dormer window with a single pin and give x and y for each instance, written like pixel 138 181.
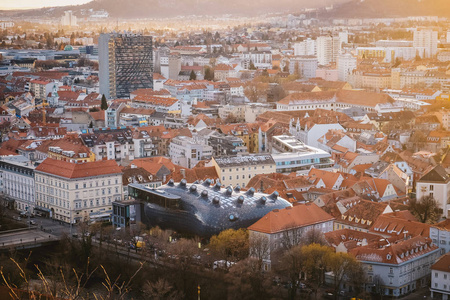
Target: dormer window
pixel 388 257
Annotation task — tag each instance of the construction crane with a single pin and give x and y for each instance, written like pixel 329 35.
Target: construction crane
pixel 44 112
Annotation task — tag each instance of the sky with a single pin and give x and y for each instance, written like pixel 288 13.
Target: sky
pixel 24 4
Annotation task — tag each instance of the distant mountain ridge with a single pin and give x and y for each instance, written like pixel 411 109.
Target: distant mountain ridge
pixel 172 8
pixel 391 8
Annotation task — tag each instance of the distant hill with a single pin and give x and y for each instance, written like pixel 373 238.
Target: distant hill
pixel 391 8
pixel 172 8
pixel 129 9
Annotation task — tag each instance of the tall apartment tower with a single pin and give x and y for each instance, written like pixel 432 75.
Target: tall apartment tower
pixel 69 19
pixel 346 63
pixel 125 63
pixel 306 47
pixel 328 49
pixel 426 38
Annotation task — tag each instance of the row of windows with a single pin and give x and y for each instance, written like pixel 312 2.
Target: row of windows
pixel 64 185
pixel 243 169
pixel 436 275
pixel 298 162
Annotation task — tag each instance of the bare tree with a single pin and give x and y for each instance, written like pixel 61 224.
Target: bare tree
pixel 291 236
pixel 426 209
pixel 292 264
pixel 161 290
pixel 313 236
pixel 259 247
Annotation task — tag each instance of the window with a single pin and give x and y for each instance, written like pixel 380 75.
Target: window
pixel 431 187
pixel 391 270
pixel 436 275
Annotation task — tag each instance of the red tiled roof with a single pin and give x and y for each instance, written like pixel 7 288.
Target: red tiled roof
pixel 443 263
pixel 395 253
pixel 389 224
pixel 299 215
pixel 80 170
pixel 156 100
pixel 157 76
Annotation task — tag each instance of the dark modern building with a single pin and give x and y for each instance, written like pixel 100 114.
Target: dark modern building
pixel 125 64
pixel 203 208
pixel 126 213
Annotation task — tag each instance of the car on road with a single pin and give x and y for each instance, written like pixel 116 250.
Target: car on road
pixel 222 264
pixel 32 222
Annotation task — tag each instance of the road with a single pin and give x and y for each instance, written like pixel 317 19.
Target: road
pixel 46 225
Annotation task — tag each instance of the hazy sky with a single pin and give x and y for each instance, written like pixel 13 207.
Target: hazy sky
pixel 22 4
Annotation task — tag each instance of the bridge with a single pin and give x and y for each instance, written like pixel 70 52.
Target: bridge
pixel 28 238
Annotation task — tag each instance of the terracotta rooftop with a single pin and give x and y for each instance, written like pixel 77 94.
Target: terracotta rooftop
pixel 389 224
pixel 395 253
pixel 350 238
pixel 444 225
pixel 300 215
pixel 80 170
pixel 443 263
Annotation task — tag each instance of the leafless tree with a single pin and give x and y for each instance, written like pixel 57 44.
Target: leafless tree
pixel 259 247
pixel 426 209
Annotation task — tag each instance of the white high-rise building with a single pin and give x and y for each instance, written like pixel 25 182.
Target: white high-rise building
pixel 346 64
pixel 328 49
pixel 306 47
pixel 427 38
pixel 69 19
pixel 324 49
pixel 343 37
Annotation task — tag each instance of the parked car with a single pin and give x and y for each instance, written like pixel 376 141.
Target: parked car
pixel 220 264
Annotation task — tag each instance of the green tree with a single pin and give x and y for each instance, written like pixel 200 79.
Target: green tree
pixel 104 105
pixel 252 66
pixel 192 76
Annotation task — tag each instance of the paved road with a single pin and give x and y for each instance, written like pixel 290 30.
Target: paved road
pixel 46 225
pixel 22 237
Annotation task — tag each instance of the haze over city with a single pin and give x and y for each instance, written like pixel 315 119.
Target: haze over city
pixel 205 149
